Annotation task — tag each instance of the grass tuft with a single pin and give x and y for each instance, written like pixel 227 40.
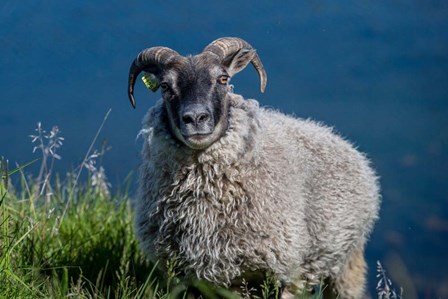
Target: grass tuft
pixel 90 252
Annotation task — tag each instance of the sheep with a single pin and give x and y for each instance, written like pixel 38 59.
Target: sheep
pixel 230 190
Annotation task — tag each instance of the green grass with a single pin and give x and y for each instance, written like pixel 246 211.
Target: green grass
pixel 57 247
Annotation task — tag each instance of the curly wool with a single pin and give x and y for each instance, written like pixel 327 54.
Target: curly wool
pixel 275 193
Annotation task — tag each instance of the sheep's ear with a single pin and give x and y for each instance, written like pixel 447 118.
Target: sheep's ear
pixel 239 61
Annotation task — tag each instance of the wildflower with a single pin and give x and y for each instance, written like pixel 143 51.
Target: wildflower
pixel 47 144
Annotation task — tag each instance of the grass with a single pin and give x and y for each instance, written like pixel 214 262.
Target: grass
pixel 81 248
pixel 63 239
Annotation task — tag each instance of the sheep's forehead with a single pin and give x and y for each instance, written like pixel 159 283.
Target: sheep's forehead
pixel 195 74
pixel 198 68
pixel 206 64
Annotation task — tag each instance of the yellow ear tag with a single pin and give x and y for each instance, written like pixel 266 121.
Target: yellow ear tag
pixel 150 81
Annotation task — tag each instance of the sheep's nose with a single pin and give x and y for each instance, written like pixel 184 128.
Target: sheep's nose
pixel 196 115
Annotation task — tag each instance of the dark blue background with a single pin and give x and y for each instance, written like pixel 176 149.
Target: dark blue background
pixel 376 70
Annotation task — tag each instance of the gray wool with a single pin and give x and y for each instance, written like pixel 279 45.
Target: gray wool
pixel 275 193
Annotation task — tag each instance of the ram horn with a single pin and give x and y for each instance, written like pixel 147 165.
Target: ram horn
pixel 152 59
pixel 226 47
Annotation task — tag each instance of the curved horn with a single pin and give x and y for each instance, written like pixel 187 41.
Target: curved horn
pixel 228 46
pixel 155 57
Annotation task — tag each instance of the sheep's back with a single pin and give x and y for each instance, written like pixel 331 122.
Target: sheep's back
pixel 331 185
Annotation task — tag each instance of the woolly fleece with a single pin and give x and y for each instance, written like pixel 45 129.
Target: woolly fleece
pixel 275 193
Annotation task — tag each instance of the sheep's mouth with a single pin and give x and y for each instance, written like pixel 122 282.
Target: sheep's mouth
pixel 199 141
pixel 197 135
pixel 202 140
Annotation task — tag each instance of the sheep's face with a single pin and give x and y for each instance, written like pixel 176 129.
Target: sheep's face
pixel 195 93
pixel 195 89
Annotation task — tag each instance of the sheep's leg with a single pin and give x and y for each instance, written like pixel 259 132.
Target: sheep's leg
pixel 351 281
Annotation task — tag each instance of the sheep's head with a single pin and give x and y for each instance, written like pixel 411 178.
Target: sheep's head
pixel 195 88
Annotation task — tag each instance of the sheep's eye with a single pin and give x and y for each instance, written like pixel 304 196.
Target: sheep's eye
pixel 164 86
pixel 223 80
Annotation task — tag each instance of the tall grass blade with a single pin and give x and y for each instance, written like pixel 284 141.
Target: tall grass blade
pixel 19 168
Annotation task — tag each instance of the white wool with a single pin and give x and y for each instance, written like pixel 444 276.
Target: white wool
pixel 275 193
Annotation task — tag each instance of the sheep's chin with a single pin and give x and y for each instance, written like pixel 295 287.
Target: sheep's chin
pixel 199 142
pixel 202 141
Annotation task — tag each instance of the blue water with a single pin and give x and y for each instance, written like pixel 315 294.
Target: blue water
pixel 375 70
